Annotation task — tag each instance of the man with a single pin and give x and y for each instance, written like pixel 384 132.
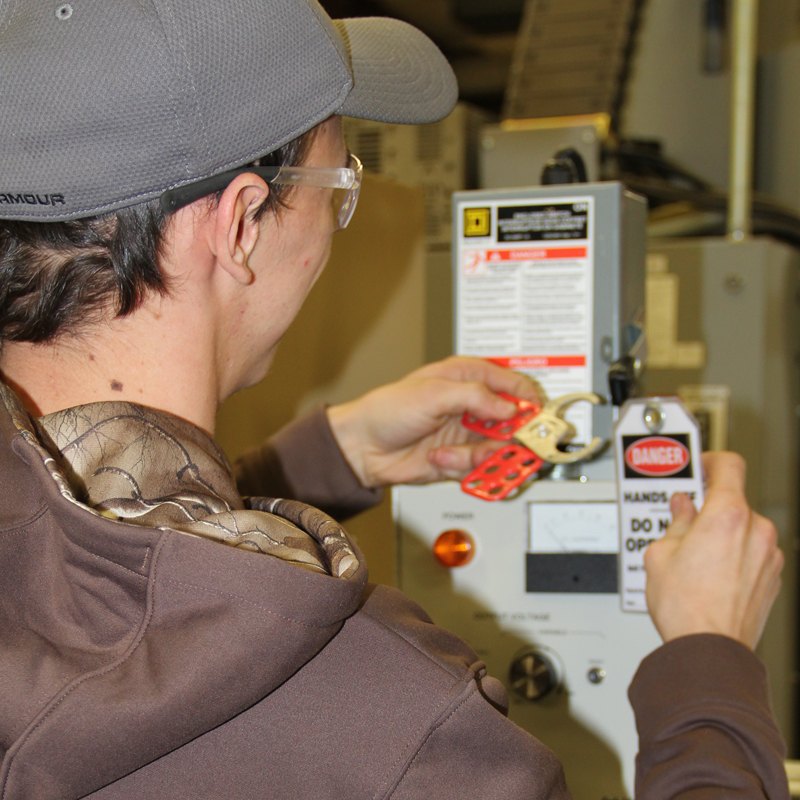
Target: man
pixel 168 173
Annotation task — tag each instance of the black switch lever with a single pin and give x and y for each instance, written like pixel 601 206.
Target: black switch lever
pixel 622 380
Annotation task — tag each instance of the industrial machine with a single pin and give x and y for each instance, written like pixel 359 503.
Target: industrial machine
pixel 549 281
pixel 723 333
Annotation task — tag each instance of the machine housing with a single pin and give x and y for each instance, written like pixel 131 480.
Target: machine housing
pixel 549 281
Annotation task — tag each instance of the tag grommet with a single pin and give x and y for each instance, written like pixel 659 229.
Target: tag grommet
pixel 654 417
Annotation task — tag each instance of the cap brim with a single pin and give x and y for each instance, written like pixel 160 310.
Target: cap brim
pixel 399 75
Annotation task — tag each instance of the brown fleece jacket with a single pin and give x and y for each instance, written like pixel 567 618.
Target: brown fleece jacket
pixel 149 663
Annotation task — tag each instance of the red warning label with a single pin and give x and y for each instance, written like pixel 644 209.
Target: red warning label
pixel 534 362
pixel 656 456
pixel 535 253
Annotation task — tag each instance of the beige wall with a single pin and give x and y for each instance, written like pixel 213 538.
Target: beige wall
pixel 363 325
pixel 778 24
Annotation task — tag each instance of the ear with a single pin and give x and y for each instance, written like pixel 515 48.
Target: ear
pixel 236 232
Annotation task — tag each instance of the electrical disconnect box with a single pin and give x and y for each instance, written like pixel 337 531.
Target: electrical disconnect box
pixel 513 152
pixel 548 281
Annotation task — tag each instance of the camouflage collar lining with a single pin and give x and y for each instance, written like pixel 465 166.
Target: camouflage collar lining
pixel 138 465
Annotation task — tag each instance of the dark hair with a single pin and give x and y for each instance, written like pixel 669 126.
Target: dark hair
pixel 58 277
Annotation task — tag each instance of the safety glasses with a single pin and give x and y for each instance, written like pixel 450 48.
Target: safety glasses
pixel 345 182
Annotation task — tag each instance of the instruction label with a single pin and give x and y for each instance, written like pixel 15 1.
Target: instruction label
pixel 653 462
pixel 524 293
pixel 531 223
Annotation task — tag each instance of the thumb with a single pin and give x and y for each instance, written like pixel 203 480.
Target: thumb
pixel 683 514
pixel 455 461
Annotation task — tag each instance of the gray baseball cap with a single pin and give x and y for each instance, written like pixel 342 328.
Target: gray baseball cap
pixel 108 103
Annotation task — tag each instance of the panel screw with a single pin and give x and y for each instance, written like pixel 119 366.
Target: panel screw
pixel 606 349
pixel 64 12
pixel 596 675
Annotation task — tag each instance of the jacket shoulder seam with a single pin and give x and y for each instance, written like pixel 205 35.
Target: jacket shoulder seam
pixel 20 531
pixel 471 690
pixel 467 680
pixel 441 664
pixel 17 528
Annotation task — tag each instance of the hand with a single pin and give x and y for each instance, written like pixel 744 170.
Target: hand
pixel 411 432
pixel 717 571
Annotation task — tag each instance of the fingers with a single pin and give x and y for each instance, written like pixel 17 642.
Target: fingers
pixel 725 510
pixel 770 581
pixel 453 398
pixel 683 514
pixel 763 563
pixel 717 571
pixel 451 462
pixel 498 379
pixel 762 559
pixel 724 472
pixel 456 461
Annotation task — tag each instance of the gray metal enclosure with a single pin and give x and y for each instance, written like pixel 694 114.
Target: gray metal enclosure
pixel 523 603
pixel 740 300
pixel 727 327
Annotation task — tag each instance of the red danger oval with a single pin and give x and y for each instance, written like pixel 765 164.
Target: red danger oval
pixel 657 455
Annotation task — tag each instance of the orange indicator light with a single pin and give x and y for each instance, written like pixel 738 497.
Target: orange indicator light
pixel 454 548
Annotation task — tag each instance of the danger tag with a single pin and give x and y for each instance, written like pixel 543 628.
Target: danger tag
pixel 658 449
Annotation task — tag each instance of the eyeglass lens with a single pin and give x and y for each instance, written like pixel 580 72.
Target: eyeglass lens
pixel 344 204
pixel 344 201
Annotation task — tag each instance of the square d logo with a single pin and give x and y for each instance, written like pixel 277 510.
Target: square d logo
pixel 477 221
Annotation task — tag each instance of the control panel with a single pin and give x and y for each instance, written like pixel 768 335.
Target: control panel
pixel 548 281
pixel 537 597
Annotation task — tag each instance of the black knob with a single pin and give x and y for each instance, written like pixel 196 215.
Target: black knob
pixel 533 675
pixel 622 380
pixel 566 166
